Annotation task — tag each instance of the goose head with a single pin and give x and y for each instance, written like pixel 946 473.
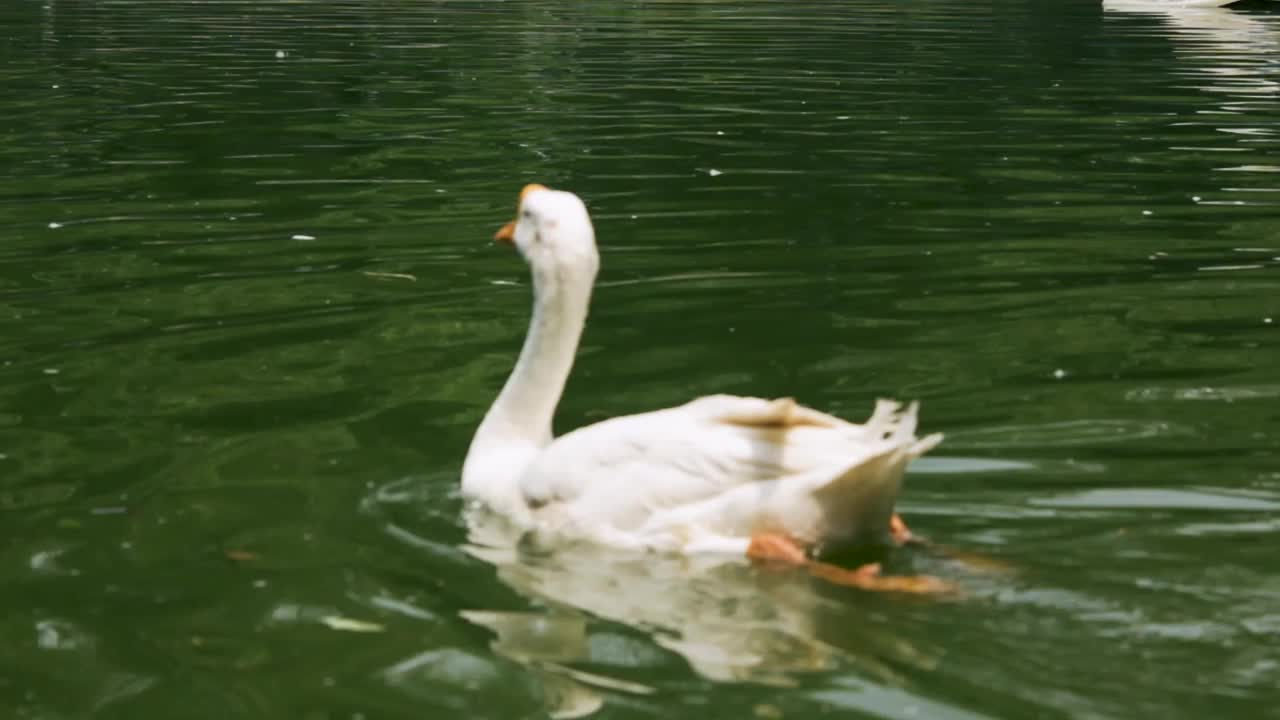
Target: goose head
pixel 552 231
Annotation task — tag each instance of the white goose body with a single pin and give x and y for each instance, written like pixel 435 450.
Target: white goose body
pixel 703 477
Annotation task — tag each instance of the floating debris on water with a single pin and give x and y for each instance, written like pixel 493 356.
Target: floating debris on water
pixel 389 275
pixel 1228 268
pixel 335 622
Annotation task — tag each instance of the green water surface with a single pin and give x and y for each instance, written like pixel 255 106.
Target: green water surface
pixel 251 315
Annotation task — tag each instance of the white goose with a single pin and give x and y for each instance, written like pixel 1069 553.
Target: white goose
pixel 721 474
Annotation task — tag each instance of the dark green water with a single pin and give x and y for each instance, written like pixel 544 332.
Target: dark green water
pixel 223 425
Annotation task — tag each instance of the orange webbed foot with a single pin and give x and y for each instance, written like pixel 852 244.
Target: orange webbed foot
pixel 902 534
pixel 868 577
pixel 776 547
pixel 782 549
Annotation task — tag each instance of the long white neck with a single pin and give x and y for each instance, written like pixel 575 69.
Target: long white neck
pixel 519 422
pixel 527 403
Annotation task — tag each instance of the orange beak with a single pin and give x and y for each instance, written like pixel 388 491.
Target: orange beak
pixel 507 233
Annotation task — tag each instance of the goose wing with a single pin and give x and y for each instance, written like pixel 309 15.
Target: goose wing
pixel 720 465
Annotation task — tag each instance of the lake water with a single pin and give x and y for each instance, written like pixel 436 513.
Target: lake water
pixel 252 315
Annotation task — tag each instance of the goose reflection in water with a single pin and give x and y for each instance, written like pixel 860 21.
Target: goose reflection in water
pixel 1236 51
pixel 730 620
